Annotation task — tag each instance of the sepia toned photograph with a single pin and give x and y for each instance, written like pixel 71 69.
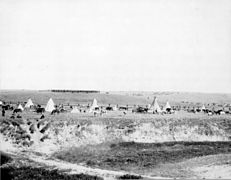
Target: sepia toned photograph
pixel 115 89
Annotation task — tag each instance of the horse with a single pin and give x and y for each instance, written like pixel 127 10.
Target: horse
pixel 219 112
pixel 109 108
pixel 168 110
pixel 191 110
pixel 40 110
pixel 62 110
pixel 140 110
pixel 42 117
pixel 96 108
pixel 7 107
pixel 17 110
pixel 55 111
pixel 123 108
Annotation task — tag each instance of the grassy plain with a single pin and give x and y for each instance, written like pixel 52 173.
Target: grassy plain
pixel 121 98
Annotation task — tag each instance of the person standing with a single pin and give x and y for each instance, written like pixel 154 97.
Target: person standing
pixel 3 112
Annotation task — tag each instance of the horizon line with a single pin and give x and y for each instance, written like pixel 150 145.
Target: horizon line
pixel 154 91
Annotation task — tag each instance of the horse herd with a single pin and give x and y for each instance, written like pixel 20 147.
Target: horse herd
pixel 102 110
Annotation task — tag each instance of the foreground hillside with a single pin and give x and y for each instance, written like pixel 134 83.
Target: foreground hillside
pixel 117 144
pixel 111 146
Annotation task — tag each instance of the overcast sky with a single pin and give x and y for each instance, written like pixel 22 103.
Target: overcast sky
pixel 152 45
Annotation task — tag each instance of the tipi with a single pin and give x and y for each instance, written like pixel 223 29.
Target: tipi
pixel 155 106
pixel 50 105
pixel 29 103
pixel 94 105
pixel 75 110
pixel 115 108
pixel 20 107
pixel 167 106
pixel 203 107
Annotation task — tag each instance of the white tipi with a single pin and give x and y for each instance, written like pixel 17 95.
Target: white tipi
pixel 94 105
pixel 203 107
pixel 155 106
pixel 50 105
pixel 20 107
pixel 115 108
pixel 167 106
pixel 75 110
pixel 29 103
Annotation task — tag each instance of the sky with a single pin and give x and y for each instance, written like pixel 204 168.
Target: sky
pixel 116 45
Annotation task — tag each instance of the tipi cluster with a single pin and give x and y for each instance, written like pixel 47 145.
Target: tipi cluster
pixel 154 107
pixel 50 106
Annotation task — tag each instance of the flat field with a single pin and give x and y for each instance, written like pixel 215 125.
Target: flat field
pixel 120 98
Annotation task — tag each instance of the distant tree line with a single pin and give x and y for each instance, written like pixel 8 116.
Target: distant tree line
pixel 75 91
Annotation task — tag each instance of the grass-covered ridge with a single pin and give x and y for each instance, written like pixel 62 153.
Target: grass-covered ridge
pixel 29 173
pixel 130 155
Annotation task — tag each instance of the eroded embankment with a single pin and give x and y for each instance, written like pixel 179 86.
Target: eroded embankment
pixel 127 145
pixel 51 137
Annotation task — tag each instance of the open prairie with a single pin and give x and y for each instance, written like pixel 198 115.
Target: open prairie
pixel 116 145
pixel 121 98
